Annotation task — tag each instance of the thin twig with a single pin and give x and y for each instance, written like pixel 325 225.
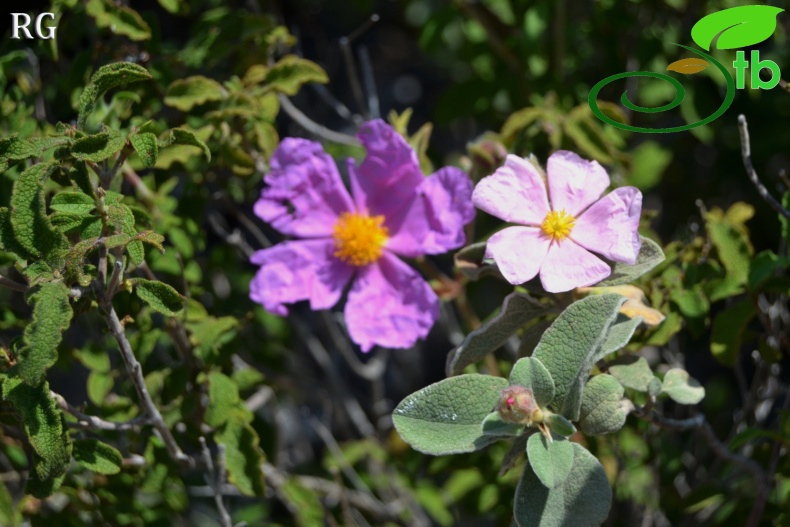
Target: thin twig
pixel 370 83
pixel 312 126
pixel 746 154
pixel 90 422
pixel 216 479
pixel 11 284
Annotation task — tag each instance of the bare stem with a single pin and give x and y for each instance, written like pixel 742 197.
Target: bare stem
pixel 11 284
pixel 216 479
pixel 312 126
pixel 90 422
pixel 746 154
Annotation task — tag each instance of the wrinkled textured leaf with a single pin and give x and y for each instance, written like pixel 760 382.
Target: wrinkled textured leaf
pixel 244 458
pixel 184 94
pixel 550 460
pixel 739 27
pixel 289 73
pixel 181 136
pixel 446 417
pixel 682 388
pixel 32 229
pixel 43 424
pixel 650 255
pixel 560 425
pixel 96 456
pixel 98 147
pixel 51 317
pixel 105 78
pixel 530 373
pixel 583 500
pixel 601 413
pixel 119 19
pixel 636 375
pixel 160 296
pixel 75 203
pixel 517 310
pixel 147 147
pixel 223 398
pixel 619 335
pixel 569 347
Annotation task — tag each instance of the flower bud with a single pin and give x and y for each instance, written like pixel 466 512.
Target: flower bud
pixel 517 405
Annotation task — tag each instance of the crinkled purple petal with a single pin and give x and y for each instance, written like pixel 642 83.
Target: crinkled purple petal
pixel 518 252
pixel 305 194
pixel 299 270
pixel 516 193
pixel 390 305
pixel 609 227
pixel 568 266
pixel 574 183
pixel 435 221
pixel 386 181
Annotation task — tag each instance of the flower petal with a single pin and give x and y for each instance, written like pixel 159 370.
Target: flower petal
pixel 515 193
pixel 305 194
pixel 435 221
pixel 299 270
pixel 568 266
pixel 385 181
pixel 574 183
pixel 609 227
pixel 518 252
pixel 390 305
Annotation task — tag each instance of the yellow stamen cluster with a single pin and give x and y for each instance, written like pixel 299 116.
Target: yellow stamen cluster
pixel 558 225
pixel 360 239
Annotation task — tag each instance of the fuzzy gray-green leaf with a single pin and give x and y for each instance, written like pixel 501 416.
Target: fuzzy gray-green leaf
pixel 601 412
pixel 97 457
pixel 517 310
pixel 550 460
pixel 650 255
pixel 159 296
pixel 619 335
pixel 569 347
pixel 583 500
pixel 530 373
pixel 636 376
pixel 446 417
pixel 682 388
pixel 51 317
pixel 560 425
pixel 494 425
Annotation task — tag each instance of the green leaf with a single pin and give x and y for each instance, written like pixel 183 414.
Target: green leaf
pixel 223 396
pixel 147 147
pixel 739 27
pixel 446 417
pixel 243 457
pixel 184 94
pixel 600 412
pixel 682 388
pixel 650 255
pixel 764 265
pixel 8 513
pixel 560 425
pixel 494 425
pixel 81 177
pixel 181 136
pixel 471 262
pixel 160 296
pixel 732 243
pixel 13 148
pixel 75 203
pixel 517 449
pixel 728 329
pixel 98 147
pixel 583 500
pixel 619 335
pixel 569 347
pixel 289 73
pixel 550 460
pixel 636 375
pixel 99 386
pixel 517 310
pixel 105 78
pixel 135 248
pixel 32 229
pixel 648 162
pixel 43 424
pixel 96 456
pixel 530 373
pixel 43 488
pixel 692 303
pixel 51 317
pixel 119 18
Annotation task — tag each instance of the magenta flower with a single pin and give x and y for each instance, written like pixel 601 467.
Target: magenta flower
pixel 393 210
pixel 559 229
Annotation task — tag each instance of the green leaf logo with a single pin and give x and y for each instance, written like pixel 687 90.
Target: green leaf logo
pixel 738 26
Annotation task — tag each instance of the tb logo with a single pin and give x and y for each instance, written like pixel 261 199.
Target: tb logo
pixel 23 20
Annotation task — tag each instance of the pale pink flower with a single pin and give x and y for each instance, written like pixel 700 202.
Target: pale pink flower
pixel 557 229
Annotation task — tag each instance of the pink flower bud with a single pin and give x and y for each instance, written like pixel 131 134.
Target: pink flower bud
pixel 517 405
